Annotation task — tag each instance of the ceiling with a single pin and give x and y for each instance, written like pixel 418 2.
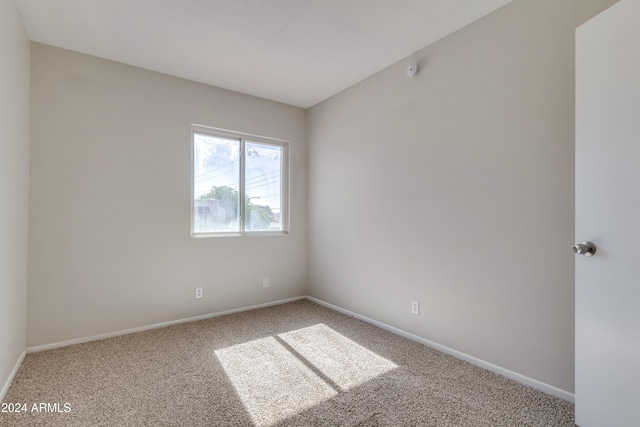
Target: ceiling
pixel 299 52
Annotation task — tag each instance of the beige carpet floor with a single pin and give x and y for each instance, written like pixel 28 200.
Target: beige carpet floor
pixel 297 364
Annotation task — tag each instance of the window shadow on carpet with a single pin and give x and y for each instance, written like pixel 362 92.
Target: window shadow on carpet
pixel 280 376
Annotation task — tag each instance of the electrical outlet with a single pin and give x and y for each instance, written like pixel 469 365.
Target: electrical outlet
pixel 265 282
pixel 415 307
pixel 198 293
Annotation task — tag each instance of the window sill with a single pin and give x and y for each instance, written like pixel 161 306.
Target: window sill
pixel 248 234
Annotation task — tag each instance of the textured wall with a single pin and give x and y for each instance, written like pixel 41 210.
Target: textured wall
pixel 14 185
pixel 456 188
pixel 110 246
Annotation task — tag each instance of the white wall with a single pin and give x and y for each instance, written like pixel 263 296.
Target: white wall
pixel 456 189
pixel 110 245
pixel 14 186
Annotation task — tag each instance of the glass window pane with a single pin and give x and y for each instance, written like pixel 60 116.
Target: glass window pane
pixel 263 175
pixel 216 187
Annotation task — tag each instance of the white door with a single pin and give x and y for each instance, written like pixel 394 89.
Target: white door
pixel 608 214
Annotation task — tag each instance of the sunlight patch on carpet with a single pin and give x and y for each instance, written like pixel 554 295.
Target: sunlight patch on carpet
pixel 345 362
pixel 271 381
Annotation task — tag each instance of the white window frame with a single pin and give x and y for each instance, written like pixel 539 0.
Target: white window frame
pixel 284 180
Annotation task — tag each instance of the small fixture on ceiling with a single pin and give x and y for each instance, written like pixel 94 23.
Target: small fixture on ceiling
pixel 412 70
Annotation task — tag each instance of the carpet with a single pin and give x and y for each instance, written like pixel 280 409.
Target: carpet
pixel 296 364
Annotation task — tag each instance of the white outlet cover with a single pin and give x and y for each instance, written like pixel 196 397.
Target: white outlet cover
pixel 415 307
pixel 265 282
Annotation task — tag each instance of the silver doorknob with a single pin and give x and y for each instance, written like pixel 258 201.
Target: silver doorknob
pixel 584 248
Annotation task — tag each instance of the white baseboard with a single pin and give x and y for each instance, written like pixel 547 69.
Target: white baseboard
pixel 156 326
pixel 538 385
pixel 5 387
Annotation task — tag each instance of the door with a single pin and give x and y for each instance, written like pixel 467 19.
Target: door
pixel 608 214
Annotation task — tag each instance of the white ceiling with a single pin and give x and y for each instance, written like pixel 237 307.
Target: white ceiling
pixel 299 52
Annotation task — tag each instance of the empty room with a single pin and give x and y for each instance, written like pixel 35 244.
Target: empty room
pixel 319 213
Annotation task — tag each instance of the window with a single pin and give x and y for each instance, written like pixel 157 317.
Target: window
pixel 239 183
